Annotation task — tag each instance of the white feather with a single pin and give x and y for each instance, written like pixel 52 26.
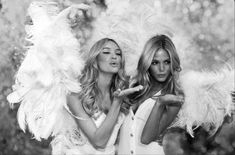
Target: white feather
pixel 48 73
pixel 207 99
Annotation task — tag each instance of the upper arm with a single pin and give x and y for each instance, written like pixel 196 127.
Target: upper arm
pixel 98 136
pixel 87 126
pixel 75 106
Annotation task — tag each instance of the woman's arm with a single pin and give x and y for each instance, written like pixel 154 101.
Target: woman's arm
pixel 98 137
pixel 151 128
pixel 161 116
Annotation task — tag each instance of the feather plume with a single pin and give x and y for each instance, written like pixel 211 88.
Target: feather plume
pixel 48 73
pixel 207 99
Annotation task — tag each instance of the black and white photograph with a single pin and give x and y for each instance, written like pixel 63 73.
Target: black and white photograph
pixel 117 77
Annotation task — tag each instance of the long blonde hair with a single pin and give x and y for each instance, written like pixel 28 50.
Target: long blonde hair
pixel 88 79
pixel 143 77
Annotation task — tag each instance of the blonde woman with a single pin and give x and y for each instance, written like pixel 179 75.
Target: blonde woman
pixel 157 105
pixel 100 99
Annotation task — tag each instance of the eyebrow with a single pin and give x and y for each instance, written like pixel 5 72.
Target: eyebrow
pixel 164 60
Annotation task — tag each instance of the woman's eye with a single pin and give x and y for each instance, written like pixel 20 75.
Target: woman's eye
pixel 118 52
pixel 106 52
pixel 167 62
pixel 154 63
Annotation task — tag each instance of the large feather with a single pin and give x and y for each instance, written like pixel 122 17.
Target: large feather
pixel 207 99
pixel 48 73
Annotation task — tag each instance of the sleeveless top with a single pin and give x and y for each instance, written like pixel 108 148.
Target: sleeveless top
pixel 83 146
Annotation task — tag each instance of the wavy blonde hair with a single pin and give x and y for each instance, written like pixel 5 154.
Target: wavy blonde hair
pixel 88 79
pixel 144 77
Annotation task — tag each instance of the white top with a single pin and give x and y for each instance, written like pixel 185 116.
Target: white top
pixel 131 131
pixel 84 147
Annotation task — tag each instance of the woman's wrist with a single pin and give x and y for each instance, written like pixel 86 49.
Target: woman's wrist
pixel 117 101
pixel 159 103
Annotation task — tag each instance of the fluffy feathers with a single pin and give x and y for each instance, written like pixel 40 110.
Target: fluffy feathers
pixel 48 73
pixel 207 99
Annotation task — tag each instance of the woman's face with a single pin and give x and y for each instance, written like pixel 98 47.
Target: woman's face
pixel 109 59
pixel 160 68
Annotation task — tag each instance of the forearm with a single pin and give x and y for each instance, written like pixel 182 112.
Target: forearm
pixel 168 117
pixel 104 132
pixel 151 128
pixel 98 137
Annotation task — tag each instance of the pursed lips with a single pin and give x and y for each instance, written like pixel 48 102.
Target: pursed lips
pixel 114 64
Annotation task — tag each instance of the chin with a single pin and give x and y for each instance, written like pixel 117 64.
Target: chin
pixel 113 71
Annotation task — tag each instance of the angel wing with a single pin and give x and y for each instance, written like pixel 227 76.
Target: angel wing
pixel 207 94
pixel 207 99
pixel 48 73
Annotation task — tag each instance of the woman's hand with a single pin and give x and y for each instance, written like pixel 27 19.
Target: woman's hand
pixel 170 100
pixel 74 13
pixel 77 13
pixel 121 95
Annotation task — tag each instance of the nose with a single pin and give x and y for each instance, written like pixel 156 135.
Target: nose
pixel 161 67
pixel 114 56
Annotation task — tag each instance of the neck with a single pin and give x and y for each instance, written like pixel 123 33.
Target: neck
pixel 104 82
pixel 156 86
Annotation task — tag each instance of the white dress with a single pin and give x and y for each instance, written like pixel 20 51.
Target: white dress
pixel 82 146
pixel 131 131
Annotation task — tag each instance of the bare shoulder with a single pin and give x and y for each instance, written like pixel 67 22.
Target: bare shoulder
pixel 73 97
pixel 75 105
pixel 73 100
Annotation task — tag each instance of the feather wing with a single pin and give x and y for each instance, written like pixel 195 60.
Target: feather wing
pixel 207 99
pixel 48 73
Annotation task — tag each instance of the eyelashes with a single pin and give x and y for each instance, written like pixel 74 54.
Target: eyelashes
pixel 157 62
pixel 154 62
pixel 108 52
pixel 167 62
pixel 120 54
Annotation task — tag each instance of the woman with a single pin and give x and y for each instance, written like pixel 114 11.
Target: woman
pixel 158 103
pixel 163 73
pixel 53 84
pixel 97 106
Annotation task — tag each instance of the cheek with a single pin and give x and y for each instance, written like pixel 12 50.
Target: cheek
pixel 120 60
pixel 168 69
pixel 154 70
pixel 102 60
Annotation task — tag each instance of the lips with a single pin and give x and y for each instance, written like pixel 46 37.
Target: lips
pixel 114 64
pixel 161 75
